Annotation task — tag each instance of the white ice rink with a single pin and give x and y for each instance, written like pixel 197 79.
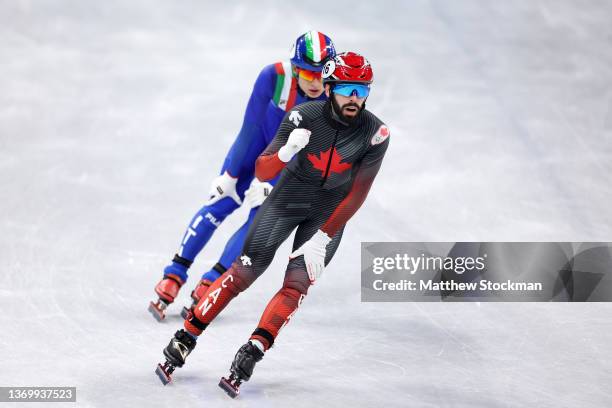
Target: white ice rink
pixel 115 116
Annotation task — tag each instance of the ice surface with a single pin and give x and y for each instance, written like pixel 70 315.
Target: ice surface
pixel 115 116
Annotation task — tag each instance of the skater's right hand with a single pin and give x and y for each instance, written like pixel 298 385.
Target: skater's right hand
pixel 223 186
pixel 314 254
pixel 298 139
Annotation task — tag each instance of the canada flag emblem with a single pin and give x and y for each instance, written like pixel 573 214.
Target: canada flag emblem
pixel 322 162
pixel 381 135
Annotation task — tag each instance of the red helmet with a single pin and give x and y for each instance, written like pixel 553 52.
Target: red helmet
pixel 347 67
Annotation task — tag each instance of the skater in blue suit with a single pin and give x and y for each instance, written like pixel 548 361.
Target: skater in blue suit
pixel 278 88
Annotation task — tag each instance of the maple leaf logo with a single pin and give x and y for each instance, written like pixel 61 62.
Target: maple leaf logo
pixel 320 162
pixel 381 135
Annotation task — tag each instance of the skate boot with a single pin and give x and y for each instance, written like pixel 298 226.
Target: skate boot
pixel 196 295
pixel 166 289
pixel 176 352
pixel 242 368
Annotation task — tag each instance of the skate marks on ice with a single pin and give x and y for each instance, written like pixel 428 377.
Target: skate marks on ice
pixel 501 124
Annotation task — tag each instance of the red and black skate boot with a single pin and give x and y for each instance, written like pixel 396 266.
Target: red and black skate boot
pixel 196 295
pixel 242 368
pixel 166 289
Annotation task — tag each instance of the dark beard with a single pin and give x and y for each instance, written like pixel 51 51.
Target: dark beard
pixel 338 110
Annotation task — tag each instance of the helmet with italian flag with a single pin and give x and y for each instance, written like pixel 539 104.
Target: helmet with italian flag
pixel 311 49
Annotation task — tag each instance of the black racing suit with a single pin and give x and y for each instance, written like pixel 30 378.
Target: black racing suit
pixel 320 188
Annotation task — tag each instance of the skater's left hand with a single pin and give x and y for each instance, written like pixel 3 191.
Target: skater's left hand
pixel 314 254
pixel 257 193
pixel 223 186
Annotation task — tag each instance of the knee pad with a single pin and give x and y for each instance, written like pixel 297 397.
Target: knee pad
pixel 245 270
pixel 297 279
pixel 240 281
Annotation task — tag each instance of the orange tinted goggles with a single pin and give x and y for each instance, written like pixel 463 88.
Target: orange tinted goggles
pixel 308 75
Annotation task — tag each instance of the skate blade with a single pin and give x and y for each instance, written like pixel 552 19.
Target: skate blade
pixel 163 375
pixel 185 313
pixel 227 386
pixel 157 313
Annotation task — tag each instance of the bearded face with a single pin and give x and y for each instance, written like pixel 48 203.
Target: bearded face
pixel 347 107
